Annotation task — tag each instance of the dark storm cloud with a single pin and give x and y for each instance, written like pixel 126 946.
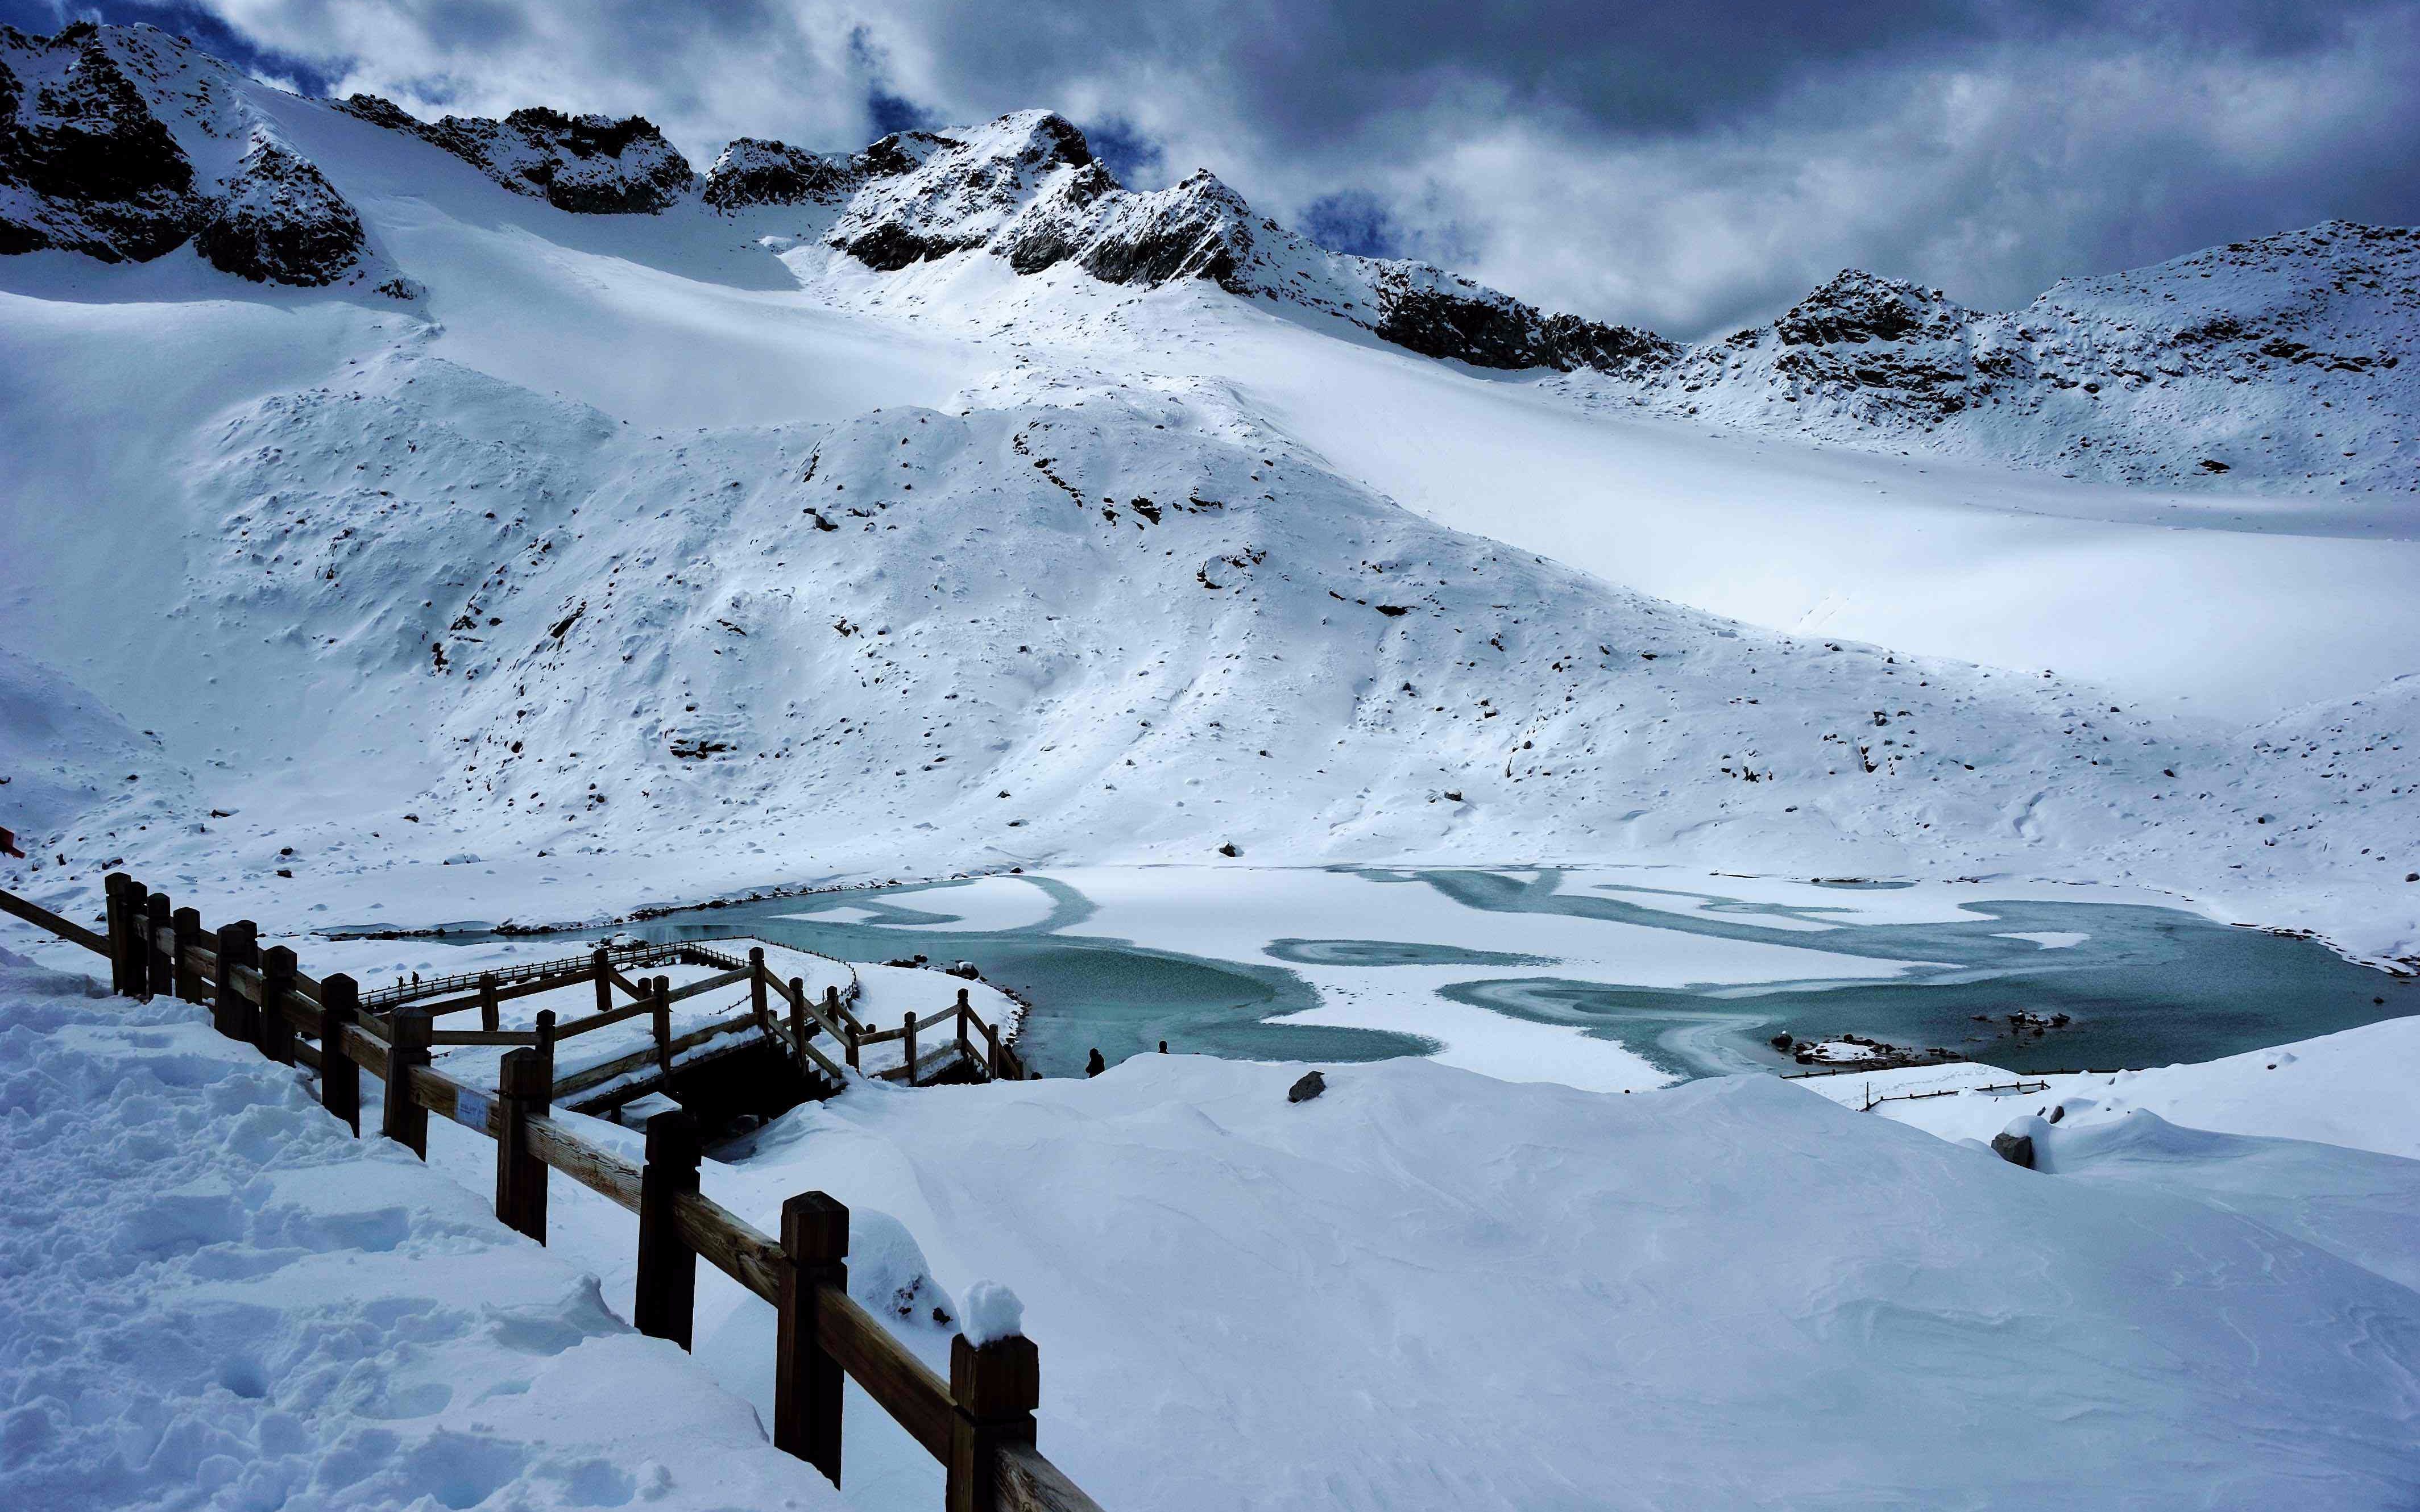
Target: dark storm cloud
pixel 1689 166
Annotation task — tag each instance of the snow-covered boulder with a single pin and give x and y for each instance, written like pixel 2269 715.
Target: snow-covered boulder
pixel 280 222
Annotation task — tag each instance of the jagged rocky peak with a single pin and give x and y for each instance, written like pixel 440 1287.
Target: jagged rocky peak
pixel 1858 307
pixel 751 171
pixel 279 220
pixel 754 172
pixel 965 190
pixel 589 164
pixel 1027 188
pixel 124 142
pixel 85 164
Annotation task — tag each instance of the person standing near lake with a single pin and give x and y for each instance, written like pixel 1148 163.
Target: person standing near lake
pixel 1096 1065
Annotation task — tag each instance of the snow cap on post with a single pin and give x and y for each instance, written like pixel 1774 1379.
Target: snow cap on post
pixel 992 1313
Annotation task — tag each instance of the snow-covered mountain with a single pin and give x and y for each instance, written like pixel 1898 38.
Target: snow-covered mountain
pixel 2279 360
pixel 580 530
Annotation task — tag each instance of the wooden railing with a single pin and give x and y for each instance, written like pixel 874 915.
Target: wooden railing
pixel 979 1422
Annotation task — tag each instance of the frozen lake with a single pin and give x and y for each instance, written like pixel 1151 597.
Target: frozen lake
pixel 1603 977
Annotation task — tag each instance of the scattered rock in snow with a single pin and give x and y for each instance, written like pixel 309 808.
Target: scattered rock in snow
pixel 1308 1086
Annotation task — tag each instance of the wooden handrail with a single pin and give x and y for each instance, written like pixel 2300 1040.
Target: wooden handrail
pixel 34 914
pixel 1020 1477
pixel 1029 1483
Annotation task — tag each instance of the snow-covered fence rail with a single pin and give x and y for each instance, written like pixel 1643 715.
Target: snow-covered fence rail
pixel 979 1423
pixel 570 968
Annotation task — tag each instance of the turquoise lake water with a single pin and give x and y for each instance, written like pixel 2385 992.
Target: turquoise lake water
pixel 2144 986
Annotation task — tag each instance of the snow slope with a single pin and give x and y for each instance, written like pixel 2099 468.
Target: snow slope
pixel 2351 1089
pixel 454 605
pixel 1426 1286
pixel 210 1294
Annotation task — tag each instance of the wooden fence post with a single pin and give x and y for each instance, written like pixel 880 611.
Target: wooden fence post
pixel 273 1031
pixel 995 1388
pixel 238 946
pixel 187 923
pixel 406 1121
pixel 912 1047
pixel 341 1078
pixel 757 998
pixel 966 1014
pixel 807 1383
pixel 602 963
pixel 665 1303
pixel 160 961
pixel 662 988
pixel 545 1047
pixel 138 955
pixel 525 1091
pixel 799 1011
pixel 991 1052
pixel 491 1017
pixel 112 887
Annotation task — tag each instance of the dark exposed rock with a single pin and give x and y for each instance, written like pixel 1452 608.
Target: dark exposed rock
pixel 754 172
pixel 589 164
pixel 2017 1150
pixel 1311 1085
pixel 279 220
pixel 84 165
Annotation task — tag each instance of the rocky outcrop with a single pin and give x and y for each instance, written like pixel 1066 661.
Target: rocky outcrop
pixel 1439 314
pixel 84 165
pixel 965 191
pixel 279 220
pixel 589 164
pixel 1028 188
pixel 754 172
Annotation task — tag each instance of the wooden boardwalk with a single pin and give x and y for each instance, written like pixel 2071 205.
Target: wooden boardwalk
pixel 978 1424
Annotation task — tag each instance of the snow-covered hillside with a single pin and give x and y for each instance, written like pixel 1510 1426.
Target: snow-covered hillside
pixel 920 509
pixel 2276 363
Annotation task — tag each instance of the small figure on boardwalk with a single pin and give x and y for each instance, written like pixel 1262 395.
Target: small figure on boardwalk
pixel 1094 1065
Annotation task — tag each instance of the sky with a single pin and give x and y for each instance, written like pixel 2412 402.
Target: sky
pixel 1691 167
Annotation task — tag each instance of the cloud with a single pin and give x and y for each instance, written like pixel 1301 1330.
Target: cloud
pixel 1688 167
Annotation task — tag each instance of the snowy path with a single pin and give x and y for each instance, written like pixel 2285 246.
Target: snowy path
pixel 211 1294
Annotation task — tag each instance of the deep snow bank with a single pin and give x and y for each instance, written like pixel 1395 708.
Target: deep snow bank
pixel 1425 1287
pixel 210 1293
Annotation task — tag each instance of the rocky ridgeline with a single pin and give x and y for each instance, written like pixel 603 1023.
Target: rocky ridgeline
pixel 2281 359
pixel 588 164
pixel 2284 356
pixel 1027 188
pixel 99 133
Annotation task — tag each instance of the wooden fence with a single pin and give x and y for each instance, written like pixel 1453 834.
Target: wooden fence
pixel 979 1422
